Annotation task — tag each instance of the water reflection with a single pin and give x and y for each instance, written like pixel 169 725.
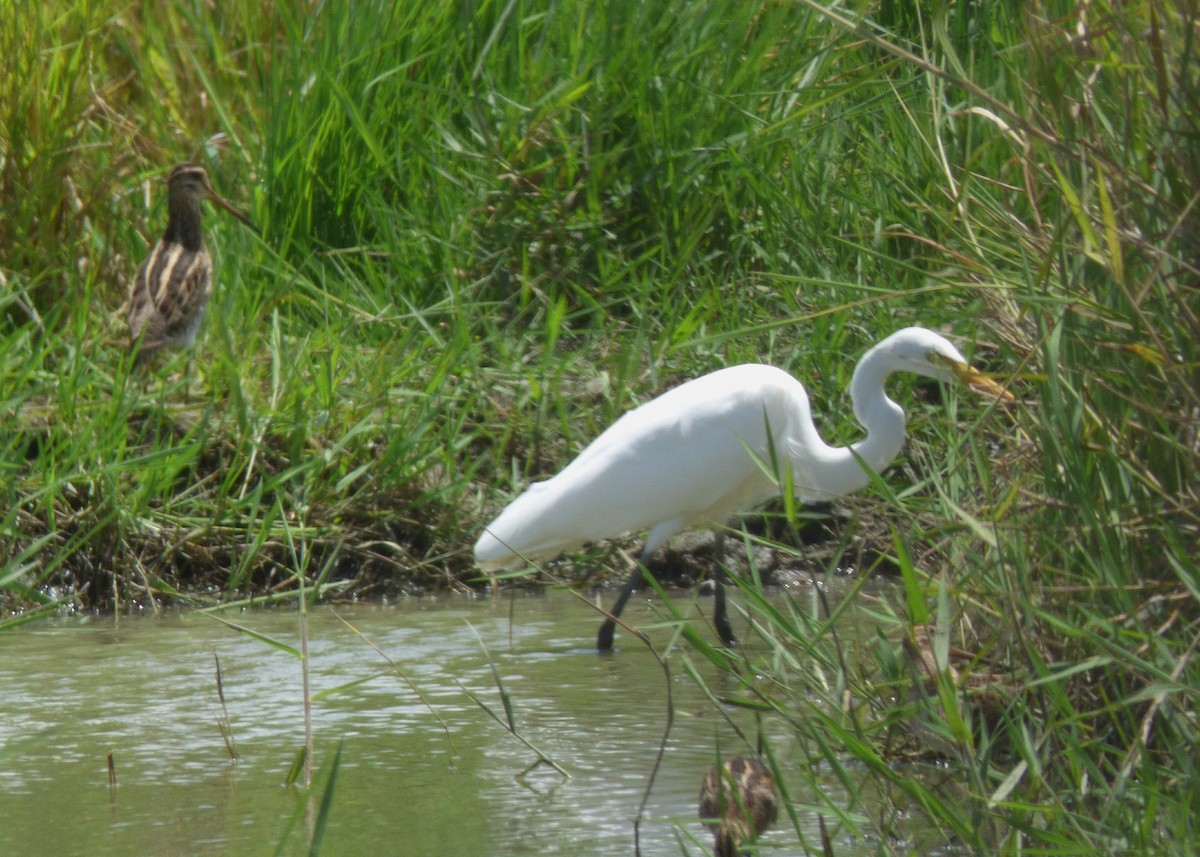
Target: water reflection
pixel 428 774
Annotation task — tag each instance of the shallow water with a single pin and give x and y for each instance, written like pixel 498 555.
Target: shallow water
pixel 428 774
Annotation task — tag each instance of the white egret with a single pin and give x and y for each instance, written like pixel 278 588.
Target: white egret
pixel 695 455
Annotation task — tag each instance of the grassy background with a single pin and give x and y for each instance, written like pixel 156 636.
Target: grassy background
pixel 488 229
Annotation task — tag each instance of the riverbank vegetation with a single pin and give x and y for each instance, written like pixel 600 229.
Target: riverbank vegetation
pixel 489 229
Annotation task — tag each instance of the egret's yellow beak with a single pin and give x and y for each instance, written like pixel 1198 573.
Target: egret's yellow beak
pixel 972 377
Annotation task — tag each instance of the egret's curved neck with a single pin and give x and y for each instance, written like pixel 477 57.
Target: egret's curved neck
pixel 840 472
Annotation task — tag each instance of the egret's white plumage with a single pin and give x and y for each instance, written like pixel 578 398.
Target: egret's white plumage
pixel 694 455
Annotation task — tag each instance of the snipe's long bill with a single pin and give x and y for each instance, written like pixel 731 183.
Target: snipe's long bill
pixel 170 292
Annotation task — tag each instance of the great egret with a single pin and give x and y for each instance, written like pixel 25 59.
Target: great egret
pixel 738 800
pixel 699 452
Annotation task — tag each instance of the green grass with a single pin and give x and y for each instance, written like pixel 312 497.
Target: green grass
pixel 489 230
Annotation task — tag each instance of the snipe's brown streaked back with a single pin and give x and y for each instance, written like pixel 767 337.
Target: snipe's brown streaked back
pixel 170 291
pixel 738 800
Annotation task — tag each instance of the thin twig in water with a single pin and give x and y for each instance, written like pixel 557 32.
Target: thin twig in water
pixel 411 685
pixel 224 723
pixel 112 777
pixel 308 730
pixel 662 744
pixel 826 842
pixel 508 721
pixel 666 668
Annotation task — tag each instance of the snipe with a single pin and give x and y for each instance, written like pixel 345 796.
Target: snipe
pixel 738 800
pixel 170 291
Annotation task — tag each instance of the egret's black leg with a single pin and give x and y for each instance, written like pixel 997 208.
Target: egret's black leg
pixel 604 640
pixel 720 613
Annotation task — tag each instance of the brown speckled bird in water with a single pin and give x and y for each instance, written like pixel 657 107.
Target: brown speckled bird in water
pixel 738 800
pixel 170 291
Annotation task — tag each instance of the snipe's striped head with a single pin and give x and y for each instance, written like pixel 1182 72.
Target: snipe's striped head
pixel 190 182
pixel 169 294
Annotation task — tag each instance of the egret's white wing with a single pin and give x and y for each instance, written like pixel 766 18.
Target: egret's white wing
pixel 686 456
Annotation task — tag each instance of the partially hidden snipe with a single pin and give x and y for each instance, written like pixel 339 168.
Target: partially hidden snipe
pixel 170 291
pixel 738 800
